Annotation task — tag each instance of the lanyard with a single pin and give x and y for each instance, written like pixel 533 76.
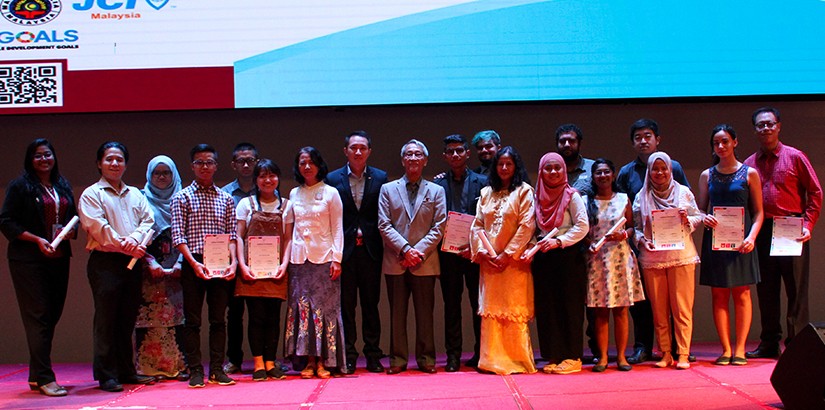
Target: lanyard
pixel 53 194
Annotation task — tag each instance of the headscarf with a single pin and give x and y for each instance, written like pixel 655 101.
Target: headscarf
pixel 552 200
pixel 654 197
pixel 160 200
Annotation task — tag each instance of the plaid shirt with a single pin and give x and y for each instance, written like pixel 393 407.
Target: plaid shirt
pixel 789 184
pixel 198 210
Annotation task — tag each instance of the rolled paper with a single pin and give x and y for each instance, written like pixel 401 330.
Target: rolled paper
pixel 65 231
pixel 146 238
pixel 535 249
pixel 615 227
pixel 486 242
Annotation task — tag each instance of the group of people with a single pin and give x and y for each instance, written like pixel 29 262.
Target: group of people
pixel 572 249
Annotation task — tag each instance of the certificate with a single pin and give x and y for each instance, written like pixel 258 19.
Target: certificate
pixel 216 255
pixel 264 255
pixel 786 230
pixel 457 234
pixel 668 233
pixel 730 230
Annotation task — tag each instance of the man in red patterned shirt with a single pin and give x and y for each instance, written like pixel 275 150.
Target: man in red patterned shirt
pixel 789 188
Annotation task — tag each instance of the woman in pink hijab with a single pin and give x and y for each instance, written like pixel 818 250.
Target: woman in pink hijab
pixel 559 271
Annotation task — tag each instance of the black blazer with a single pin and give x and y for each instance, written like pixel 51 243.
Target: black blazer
pixel 367 216
pixel 469 196
pixel 23 211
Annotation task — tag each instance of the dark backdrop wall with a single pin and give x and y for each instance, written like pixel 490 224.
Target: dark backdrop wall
pixel 278 134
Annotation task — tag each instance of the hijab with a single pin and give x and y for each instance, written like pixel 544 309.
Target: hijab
pixel 552 200
pixel 652 196
pixel 160 200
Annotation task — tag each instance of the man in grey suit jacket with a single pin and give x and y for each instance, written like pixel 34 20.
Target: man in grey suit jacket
pixel 411 216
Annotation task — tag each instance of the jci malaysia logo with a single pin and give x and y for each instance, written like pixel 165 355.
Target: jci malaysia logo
pixel 30 12
pixel 111 5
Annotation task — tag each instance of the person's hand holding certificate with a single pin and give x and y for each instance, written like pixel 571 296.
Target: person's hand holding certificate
pixel 668 229
pixel 787 231
pixel 264 256
pixel 216 255
pixel 457 234
pixel 729 231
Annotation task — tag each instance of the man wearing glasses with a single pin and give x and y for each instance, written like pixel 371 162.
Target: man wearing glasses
pixel 789 188
pixel 463 189
pixel 411 216
pixel 244 158
pixel 198 210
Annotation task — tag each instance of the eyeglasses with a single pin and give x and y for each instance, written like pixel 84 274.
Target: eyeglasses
pixel 765 124
pixel 47 155
pixel 453 151
pixel 414 154
pixel 208 163
pixel 246 161
pixel 162 174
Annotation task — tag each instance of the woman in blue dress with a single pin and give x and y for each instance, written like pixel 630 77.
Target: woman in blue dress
pixel 729 273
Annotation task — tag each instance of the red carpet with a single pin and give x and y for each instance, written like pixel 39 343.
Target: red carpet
pixel 704 386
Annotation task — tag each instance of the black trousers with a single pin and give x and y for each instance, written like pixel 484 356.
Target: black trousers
pixel 41 293
pixel 455 273
pixel 263 327
pixel 560 288
pixel 217 293
pixel 117 295
pixel 361 274
pixel 793 271
pixel 422 289
pixel 234 330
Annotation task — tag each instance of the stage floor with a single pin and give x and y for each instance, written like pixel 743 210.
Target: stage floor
pixel 704 386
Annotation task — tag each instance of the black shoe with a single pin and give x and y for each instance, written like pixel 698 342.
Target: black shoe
pixel 259 375
pixel 691 358
pixel 640 355
pixel 396 369
pixel 183 376
pixel 349 368
pixel 763 352
pixel 196 379
pixel 111 385
pixel 276 373
pixel 427 368
pixel 221 379
pixel 139 379
pixel 596 360
pixel 452 365
pixel 374 365
pixel 599 368
pixel 473 362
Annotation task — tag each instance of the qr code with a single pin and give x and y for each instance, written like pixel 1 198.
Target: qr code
pixel 31 85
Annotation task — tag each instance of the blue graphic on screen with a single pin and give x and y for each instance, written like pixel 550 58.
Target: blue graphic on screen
pixel 550 50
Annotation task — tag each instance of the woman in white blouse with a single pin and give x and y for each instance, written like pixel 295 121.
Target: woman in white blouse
pixel 314 329
pixel 668 274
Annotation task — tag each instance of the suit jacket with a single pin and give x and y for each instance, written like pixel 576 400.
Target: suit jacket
pixel 367 216
pixel 421 225
pixel 473 182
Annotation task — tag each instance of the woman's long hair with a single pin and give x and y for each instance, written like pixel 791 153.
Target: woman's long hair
pixel 592 209
pixel 519 176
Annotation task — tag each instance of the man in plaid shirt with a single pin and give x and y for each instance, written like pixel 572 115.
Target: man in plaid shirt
pixel 199 210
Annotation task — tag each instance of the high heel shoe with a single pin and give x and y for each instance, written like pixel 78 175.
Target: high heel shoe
pixel 683 363
pixel 666 361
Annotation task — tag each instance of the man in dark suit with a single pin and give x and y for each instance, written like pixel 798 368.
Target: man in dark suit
pixel 411 216
pixel 359 186
pixel 463 188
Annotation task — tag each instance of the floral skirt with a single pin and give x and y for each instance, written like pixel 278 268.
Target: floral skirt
pixel 313 318
pixel 157 351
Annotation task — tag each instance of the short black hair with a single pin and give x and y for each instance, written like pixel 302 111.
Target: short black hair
pixel 760 110
pixel 643 123
pixel 358 133
pixel 565 128
pixel 112 144
pixel 267 165
pixel 243 146
pixel 316 158
pixel 197 149
pixel 456 139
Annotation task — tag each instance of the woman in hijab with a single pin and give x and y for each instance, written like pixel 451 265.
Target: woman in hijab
pixel 160 318
pixel 505 214
pixel 668 274
pixel 559 271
